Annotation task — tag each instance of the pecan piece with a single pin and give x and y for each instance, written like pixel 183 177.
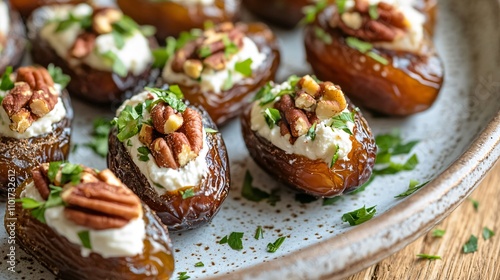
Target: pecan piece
pixel 216 61
pixel 162 154
pixel 101 206
pixel 37 78
pixel 181 148
pixel 299 123
pixel 165 119
pixel 304 101
pixel 193 129
pixel 83 46
pixel 41 182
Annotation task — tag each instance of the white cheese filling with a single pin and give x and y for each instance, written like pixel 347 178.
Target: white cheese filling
pixel 194 2
pixel 323 147
pixel 41 126
pixel 135 55
pixel 109 243
pixel 213 81
pixel 413 38
pixel 165 179
pixel 4 19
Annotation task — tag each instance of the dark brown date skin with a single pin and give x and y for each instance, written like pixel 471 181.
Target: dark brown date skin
pixel 285 14
pixel 19 156
pixel 177 213
pixel 64 259
pixel 87 83
pixel 410 83
pixel 228 104
pixel 315 177
pixel 171 18
pixel 26 7
pixel 13 50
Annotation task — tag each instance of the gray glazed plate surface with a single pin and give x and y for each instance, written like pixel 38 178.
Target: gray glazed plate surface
pixel 459 142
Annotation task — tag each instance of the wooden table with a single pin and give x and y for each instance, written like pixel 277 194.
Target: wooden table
pixel 464 221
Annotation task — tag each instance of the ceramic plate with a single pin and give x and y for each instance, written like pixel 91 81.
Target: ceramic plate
pixel 459 142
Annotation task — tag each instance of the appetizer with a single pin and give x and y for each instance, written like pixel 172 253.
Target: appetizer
pixel 379 52
pixel 107 55
pixel 171 156
pixel 221 66
pixel 82 223
pixel 35 125
pixel 277 12
pixel 25 7
pixel 11 37
pixel 309 136
pixel 171 17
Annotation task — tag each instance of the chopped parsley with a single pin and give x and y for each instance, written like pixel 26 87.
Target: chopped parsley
pixel 365 48
pixel 38 208
pixel 335 156
pixel 273 247
pixel 373 11
pixel 377 57
pixel 210 130
pixel 85 22
pixel 161 55
pixel 272 116
pixel 228 83
pixel 187 193
pixel 341 6
pixel 125 27
pixel 438 232
pixel 244 67
pixel 265 94
pixel 204 52
pixel 311 11
pixel 128 122
pixel 118 67
pixel 363 187
pixel 359 216
pixel 143 153
pixel 311 133
pixel 234 240
pixel 394 168
pixel 274 197
pixel 428 257
pixel 230 47
pixel 259 233
pixel 85 239
pixel 199 264
pixel 100 133
pixel 487 233
pixel 58 76
pixel 475 204
pixel 250 192
pixel 6 83
pixel 323 35
pixel 412 188
pixel 471 245
pixel 340 121
pixel 172 96
pixel 183 276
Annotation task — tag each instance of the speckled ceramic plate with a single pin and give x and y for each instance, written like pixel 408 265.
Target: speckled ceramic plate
pixel 460 141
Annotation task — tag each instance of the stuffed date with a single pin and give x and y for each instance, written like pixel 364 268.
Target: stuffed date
pixel 82 223
pixel 107 55
pixel 308 135
pixel 379 52
pixel 220 67
pixel 35 126
pixel 11 37
pixel 171 17
pixel 171 156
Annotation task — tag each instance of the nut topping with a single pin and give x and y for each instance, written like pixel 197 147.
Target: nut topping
pixel 83 45
pixel 389 25
pixel 165 119
pixel 99 205
pixel 104 18
pixel 32 97
pixel 163 154
pixel 213 49
pixel 311 103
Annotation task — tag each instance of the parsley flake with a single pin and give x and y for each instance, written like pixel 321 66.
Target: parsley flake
pixel 438 232
pixel 323 35
pixel 58 76
pixel 471 245
pixel 210 130
pixel 373 11
pixel 311 133
pixel 183 276
pixel 228 83
pixel 311 11
pixel 359 216
pixel 487 233
pixel 341 121
pixel 85 22
pixel 475 204
pixel 172 96
pixel 143 153
pixel 118 67
pixel 100 133
pixel 259 233
pixel 234 240
pixel 331 200
pixel 272 116
pixel 187 193
pixel 6 83
pixel 359 45
pixel 250 192
pixel 38 208
pixel 85 239
pixel 428 257
pixel 273 247
pixel 244 67
pixel 199 264
pixel 335 156
pixel 412 188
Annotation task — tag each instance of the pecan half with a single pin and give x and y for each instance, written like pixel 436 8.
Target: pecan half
pixel 163 154
pixel 99 206
pixel 193 129
pixel 41 182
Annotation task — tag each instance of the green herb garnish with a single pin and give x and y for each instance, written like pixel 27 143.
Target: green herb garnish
pixel 272 116
pixel 210 130
pixel 234 240
pixel 335 156
pixel 380 59
pixel 331 200
pixel 340 6
pixel 230 47
pixel 244 67
pixel 312 11
pixel 187 193
pixel 394 168
pixel 475 204
pixel 359 45
pixel 487 233
pixel 250 192
pixel 373 11
pixel 85 238
pixel 58 76
pixel 359 216
pixel 228 83
pixel 143 153
pixel 438 232
pixel 323 35
pixel 38 208
pixel 128 122
pixel 199 264
pixel 118 67
pixel 183 276
pixel 172 96
pixel 428 257
pixel 363 187
pixel 6 83
pixel 273 247
pixel 100 133
pixel 340 121
pixel 85 22
pixel 259 233
pixel 471 245
pixel 311 133
pixel 412 188
pixel 204 52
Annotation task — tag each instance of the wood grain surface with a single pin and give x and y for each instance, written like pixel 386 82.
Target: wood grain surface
pixel 465 220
